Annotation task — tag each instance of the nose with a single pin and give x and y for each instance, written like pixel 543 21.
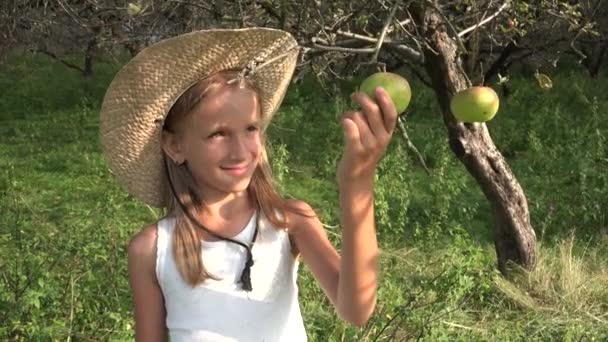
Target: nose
pixel 239 147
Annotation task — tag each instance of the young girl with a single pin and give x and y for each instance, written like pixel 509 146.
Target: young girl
pixel 182 127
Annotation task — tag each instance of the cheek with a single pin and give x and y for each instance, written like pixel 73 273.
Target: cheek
pixel 256 145
pixel 201 151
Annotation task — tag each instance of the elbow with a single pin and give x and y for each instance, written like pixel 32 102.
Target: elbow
pixel 358 321
pixel 358 318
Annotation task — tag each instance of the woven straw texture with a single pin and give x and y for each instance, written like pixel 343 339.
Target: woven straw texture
pixel 143 91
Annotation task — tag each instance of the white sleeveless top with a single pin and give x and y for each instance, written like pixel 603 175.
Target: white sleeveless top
pixel 219 310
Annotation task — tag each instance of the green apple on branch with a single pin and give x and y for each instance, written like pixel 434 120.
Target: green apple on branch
pixel 475 104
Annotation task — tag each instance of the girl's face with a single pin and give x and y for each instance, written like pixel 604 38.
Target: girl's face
pixel 221 141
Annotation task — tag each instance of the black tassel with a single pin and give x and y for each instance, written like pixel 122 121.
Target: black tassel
pixel 246 275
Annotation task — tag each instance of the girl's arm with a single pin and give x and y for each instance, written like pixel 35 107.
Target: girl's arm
pixel 350 280
pixel 147 295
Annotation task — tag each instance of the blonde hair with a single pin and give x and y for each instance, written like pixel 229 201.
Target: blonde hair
pixel 262 190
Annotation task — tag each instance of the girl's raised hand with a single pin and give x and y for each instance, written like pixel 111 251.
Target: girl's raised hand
pixel 366 135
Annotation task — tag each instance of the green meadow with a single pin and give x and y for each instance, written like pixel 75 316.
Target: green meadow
pixel 65 223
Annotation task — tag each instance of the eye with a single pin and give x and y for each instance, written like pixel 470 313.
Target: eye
pixel 217 134
pixel 253 128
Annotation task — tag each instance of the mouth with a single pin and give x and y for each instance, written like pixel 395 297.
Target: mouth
pixel 236 170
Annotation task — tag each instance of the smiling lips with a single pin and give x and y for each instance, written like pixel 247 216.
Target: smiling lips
pixel 236 170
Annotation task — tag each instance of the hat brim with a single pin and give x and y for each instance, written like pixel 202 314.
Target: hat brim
pixel 140 96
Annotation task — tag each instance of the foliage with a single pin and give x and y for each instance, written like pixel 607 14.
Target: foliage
pixel 511 31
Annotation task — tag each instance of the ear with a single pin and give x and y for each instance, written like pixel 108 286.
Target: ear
pixel 170 143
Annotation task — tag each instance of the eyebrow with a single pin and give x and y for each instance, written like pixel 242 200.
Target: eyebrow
pixel 256 122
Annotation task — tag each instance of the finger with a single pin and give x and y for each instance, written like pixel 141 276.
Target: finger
pixel 366 136
pixel 372 111
pixel 389 112
pixel 352 139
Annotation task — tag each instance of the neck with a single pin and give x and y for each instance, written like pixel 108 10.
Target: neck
pixel 223 207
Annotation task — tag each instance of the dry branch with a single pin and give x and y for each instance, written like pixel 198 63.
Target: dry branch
pixel 484 21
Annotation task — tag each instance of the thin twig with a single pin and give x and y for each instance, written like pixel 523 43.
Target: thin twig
pixel 407 32
pixel 362 37
pixel 62 61
pixel 413 54
pixel 410 145
pixel 387 22
pixel 316 47
pixel 484 21
pixel 71 13
pixel 580 31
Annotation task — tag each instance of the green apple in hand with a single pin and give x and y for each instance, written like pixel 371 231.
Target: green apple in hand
pixel 396 86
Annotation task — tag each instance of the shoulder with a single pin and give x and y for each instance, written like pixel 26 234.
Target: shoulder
pixel 301 217
pixel 299 206
pixel 142 248
pixel 144 241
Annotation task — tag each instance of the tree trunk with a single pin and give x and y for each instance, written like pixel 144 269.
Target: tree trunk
pixel 514 237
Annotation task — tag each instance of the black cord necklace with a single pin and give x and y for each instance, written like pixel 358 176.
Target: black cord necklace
pixel 245 278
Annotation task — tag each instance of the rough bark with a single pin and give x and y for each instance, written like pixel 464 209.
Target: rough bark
pixel 514 236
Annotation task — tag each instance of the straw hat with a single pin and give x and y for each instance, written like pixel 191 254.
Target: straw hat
pixel 140 96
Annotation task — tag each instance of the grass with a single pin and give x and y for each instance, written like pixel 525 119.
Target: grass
pixel 65 223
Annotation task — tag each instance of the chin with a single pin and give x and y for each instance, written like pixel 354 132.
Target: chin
pixel 238 186
pixel 221 183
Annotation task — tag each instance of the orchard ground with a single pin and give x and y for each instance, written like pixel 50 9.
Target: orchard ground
pixel 65 223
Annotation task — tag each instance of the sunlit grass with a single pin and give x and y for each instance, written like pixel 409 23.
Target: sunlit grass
pixel 65 223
